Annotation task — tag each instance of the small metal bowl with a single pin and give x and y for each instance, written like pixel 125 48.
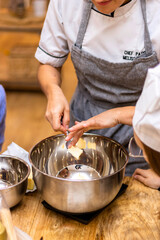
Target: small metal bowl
pixel 78 185
pixel 14 174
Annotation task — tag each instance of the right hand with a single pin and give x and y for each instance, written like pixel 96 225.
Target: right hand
pixel 58 109
pixel 105 119
pixel 147 177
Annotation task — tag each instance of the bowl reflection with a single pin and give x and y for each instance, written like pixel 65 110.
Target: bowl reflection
pixel 14 174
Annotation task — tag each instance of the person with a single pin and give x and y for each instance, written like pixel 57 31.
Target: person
pixel 112 45
pixel 145 118
pixel 147 128
pixel 2 115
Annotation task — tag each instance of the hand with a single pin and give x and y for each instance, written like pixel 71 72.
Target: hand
pixel 58 109
pixel 147 177
pixel 106 119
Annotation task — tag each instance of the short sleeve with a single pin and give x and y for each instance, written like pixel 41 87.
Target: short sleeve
pixel 53 48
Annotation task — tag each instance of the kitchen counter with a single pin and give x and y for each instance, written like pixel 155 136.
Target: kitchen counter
pixel 134 215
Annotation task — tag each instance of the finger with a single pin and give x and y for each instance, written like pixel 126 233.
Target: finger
pixel 135 172
pixel 89 124
pixel 53 117
pixel 78 126
pixel 57 123
pixel 140 179
pixel 72 135
pixel 69 136
pixel 75 139
pixel 76 122
pixel 66 118
pixel 62 129
pixel 49 117
pixel 141 172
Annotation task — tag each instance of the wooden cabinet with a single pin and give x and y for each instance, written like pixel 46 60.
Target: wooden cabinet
pixel 19 39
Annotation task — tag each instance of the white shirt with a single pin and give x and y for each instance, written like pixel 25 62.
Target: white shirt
pixel 146 120
pixel 115 39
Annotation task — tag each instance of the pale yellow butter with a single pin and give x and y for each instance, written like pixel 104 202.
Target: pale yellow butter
pixel 63 146
pixel 30 185
pixel 75 151
pixel 91 145
pixel 81 143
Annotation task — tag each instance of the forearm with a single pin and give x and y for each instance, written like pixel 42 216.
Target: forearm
pixel 49 79
pixel 124 115
pixel 106 119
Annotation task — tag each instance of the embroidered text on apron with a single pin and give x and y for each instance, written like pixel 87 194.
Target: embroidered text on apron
pixel 103 85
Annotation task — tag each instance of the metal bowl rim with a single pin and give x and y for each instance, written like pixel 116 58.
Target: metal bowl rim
pixel 25 163
pixel 79 180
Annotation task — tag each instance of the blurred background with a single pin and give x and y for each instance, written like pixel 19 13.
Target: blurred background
pixel 21 22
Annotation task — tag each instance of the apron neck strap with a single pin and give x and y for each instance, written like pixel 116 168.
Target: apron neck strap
pixel 84 22
pixel 85 19
pixel 147 40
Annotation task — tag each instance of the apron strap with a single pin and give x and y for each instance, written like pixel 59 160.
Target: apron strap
pixel 147 40
pixel 84 22
pixel 85 19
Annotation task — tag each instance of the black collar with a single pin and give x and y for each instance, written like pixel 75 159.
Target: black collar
pixel 112 13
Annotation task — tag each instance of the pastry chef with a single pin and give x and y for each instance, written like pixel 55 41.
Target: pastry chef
pixel 112 45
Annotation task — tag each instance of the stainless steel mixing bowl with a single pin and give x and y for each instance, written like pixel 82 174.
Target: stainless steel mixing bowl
pixel 14 174
pixel 83 185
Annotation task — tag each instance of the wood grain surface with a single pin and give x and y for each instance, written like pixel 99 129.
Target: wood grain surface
pixel 135 215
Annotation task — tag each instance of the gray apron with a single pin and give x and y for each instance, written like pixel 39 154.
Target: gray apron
pixel 104 85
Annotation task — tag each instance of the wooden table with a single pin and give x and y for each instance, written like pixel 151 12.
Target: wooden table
pixel 134 215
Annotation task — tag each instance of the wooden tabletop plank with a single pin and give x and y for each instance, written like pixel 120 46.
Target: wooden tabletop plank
pixel 24 213
pixel 134 215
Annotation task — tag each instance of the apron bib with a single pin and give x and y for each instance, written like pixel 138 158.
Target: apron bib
pixel 103 85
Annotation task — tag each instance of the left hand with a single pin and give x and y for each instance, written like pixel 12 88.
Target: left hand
pixel 147 177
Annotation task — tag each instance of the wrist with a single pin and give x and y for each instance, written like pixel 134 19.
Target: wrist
pixel 52 89
pixel 118 117
pixel 124 115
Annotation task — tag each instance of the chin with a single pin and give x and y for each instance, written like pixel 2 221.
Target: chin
pixel 104 10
